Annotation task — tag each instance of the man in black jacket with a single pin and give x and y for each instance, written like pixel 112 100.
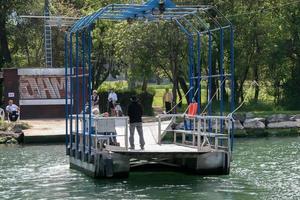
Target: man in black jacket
pixel 135 112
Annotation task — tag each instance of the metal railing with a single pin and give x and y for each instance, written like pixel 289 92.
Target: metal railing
pixel 213 132
pixel 103 131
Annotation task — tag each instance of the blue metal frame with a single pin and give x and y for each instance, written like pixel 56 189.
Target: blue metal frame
pixel 66 91
pixel 71 92
pixel 199 71
pixel 232 103
pixel 209 78
pixel 83 88
pixel 90 87
pixel 222 83
pixel 206 25
pixel 77 88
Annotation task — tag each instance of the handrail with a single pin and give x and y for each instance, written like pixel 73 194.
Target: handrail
pixel 195 116
pixel 204 134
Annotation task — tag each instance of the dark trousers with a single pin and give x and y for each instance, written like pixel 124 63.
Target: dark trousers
pixel 139 128
pixel 13 116
pixel 168 106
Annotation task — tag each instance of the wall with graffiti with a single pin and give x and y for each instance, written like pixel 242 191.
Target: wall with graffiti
pixel 40 92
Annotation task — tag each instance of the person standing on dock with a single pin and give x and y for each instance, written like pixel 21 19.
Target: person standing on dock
pixel 167 100
pixel 112 99
pixel 135 112
pixel 95 100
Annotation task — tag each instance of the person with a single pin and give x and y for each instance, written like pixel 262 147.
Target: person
pixel 95 113
pixel 112 99
pixel 12 110
pixel 118 110
pixel 95 99
pixel 167 100
pixel 135 112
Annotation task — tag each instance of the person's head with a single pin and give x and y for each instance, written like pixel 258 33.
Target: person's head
pixel 10 102
pixel 94 92
pixel 95 111
pixel 133 99
pixel 167 89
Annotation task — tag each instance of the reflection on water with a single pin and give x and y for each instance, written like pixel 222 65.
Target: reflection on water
pixel 262 169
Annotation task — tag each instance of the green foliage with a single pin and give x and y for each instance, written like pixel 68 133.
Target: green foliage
pixel 4 125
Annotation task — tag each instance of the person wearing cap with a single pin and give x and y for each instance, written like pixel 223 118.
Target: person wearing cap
pixel 135 112
pixel 95 99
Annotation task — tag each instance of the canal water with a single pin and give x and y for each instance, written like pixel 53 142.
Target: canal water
pixel 262 169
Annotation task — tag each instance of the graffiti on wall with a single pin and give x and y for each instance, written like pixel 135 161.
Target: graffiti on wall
pixel 43 87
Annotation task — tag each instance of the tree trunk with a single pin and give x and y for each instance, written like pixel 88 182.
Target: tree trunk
pixel 145 84
pixel 175 82
pixel 184 87
pixel 179 95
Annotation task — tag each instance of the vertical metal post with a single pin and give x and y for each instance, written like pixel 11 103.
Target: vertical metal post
pixel 159 131
pixel 229 141
pixel 83 87
pixel 66 89
pixel 126 133
pixel 77 89
pixel 221 77
pixel 90 86
pixel 209 77
pixel 232 82
pixel 199 71
pixel 199 135
pixel 71 92
pixel 191 68
pixel 194 131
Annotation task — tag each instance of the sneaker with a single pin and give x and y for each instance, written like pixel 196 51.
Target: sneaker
pixel 131 148
pixel 142 148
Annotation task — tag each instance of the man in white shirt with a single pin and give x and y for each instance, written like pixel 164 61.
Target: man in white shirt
pixel 112 99
pixel 12 110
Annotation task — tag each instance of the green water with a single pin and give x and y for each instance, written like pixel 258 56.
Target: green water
pixel 262 169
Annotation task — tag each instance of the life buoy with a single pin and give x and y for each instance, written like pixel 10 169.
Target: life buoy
pixel 192 111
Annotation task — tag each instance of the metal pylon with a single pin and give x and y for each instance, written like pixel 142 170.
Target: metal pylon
pixel 47 36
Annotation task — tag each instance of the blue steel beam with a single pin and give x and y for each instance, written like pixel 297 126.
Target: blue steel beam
pixel 209 77
pixel 190 59
pixel 90 87
pixel 77 88
pixel 71 92
pixel 222 78
pixel 232 82
pixel 83 87
pixel 191 68
pixel 66 89
pixel 199 71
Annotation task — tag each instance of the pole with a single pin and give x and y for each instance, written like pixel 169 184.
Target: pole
pixel 71 93
pixel 77 89
pixel 90 87
pixel 66 89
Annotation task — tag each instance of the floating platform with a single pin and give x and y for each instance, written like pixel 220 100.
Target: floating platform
pixel 192 151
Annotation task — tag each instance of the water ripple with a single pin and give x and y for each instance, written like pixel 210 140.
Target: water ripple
pixel 262 169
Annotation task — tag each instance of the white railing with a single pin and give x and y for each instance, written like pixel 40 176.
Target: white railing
pixel 111 131
pixel 198 131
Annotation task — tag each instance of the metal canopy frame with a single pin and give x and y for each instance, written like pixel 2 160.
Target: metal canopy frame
pixel 198 23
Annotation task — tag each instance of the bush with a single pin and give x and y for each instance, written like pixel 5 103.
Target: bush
pixel 4 125
pixel 146 99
